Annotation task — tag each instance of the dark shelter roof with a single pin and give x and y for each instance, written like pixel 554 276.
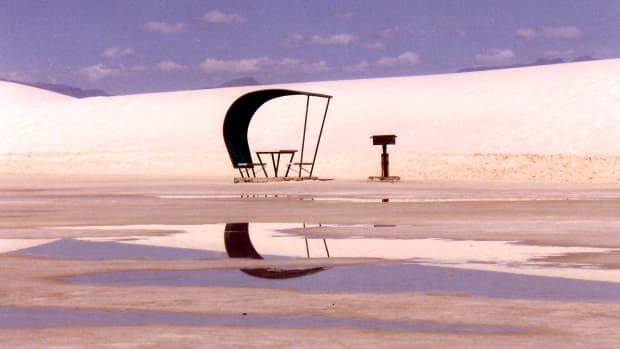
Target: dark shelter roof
pixel 238 245
pixel 238 116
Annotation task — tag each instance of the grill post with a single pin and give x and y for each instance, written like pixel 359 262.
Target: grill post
pixel 385 162
pixel 383 141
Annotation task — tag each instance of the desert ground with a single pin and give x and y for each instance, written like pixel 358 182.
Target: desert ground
pixel 46 306
pixel 120 225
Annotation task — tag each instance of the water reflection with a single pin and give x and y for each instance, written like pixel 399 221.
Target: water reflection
pixel 24 317
pixel 238 245
pixel 377 278
pixel 121 249
pixel 8 245
pixel 297 240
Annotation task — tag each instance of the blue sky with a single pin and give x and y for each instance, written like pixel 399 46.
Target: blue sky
pixel 133 46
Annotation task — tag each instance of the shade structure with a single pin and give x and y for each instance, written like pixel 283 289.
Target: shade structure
pixel 240 113
pixel 238 245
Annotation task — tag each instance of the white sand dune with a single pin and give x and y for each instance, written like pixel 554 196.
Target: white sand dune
pixel 12 94
pixel 556 122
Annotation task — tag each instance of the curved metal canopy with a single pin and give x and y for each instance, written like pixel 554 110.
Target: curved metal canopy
pixel 239 114
pixel 238 245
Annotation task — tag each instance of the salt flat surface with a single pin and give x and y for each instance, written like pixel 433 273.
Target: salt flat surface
pixel 547 311
pixel 387 199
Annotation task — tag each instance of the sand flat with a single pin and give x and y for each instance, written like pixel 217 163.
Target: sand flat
pixel 585 220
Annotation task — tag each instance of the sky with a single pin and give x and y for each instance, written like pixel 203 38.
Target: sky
pixel 137 46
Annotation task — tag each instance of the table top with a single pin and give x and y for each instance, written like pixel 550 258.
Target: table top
pixel 281 151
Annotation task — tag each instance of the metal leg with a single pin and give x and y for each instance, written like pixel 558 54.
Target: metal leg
pixel 288 168
pixel 303 139
pixel 275 166
pixel 262 164
pixel 290 162
pixel 276 163
pixel 316 150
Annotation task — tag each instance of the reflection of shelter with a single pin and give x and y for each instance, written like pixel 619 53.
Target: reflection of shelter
pixel 238 245
pixel 235 129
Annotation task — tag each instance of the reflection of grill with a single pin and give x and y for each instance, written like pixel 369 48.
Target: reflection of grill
pixel 238 245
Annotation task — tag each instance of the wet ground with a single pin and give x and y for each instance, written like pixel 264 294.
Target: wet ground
pixel 15 317
pixel 470 264
pixel 374 278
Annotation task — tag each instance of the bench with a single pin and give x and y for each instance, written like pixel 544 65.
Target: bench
pixel 249 166
pixel 301 165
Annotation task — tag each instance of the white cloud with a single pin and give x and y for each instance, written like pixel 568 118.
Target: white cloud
pixel 343 39
pixel 554 54
pixel 170 66
pixel 526 33
pixel 262 65
pixel 99 71
pixel 314 67
pixel 295 39
pixel 290 62
pixel 165 27
pixel 298 40
pixel 219 17
pixel 551 33
pixel 17 76
pixel 117 52
pixel 138 68
pixel 567 32
pixel 336 39
pixel 345 17
pixel 403 60
pixel 390 33
pixel 495 56
pixel 240 66
pixel 292 65
pixel 359 67
pixel 374 45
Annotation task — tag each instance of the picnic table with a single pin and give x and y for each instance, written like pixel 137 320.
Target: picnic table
pixel 276 156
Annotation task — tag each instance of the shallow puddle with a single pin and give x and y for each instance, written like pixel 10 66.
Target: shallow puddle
pixel 288 240
pixel 84 249
pixel 373 278
pixel 8 245
pixel 22 317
